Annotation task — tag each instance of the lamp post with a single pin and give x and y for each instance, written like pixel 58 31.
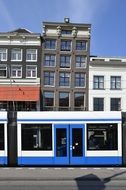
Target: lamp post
pixel 11 82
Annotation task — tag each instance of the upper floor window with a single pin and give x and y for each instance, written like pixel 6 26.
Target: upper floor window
pixel 49 78
pixel 64 61
pixel 98 82
pixel 31 55
pixel 65 45
pixel 98 104
pixel 115 104
pixel 31 71
pixel 49 60
pixel 16 54
pixel 16 71
pixel 3 54
pixel 80 61
pixel 50 44
pixel 80 79
pixel 48 100
pixel 64 79
pixel 3 71
pixel 63 100
pixel 115 82
pixel 81 45
pixel 79 100
pixel 66 32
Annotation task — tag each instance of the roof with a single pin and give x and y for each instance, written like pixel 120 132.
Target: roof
pixel 20 31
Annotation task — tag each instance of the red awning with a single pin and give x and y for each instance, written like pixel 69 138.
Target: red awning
pixel 20 93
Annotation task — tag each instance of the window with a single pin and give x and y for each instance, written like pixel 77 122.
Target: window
pixel 80 61
pixel 116 82
pixel 65 45
pixel 50 44
pixel 66 32
pixel 64 101
pixel 81 45
pixel 16 71
pixel 3 54
pixel 115 104
pixel 48 101
pixel 16 54
pixel 79 101
pixel 79 80
pixel 31 55
pixel 3 71
pixel 37 137
pixel 98 104
pixel 64 61
pixel 49 78
pixel 98 82
pixel 102 137
pixel 1 136
pixel 31 71
pixel 49 60
pixel 64 79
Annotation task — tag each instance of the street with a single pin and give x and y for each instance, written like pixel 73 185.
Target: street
pixel 55 178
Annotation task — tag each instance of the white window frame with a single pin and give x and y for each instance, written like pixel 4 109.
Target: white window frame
pixel 31 60
pixel 31 71
pixel 2 54
pixel 16 71
pixel 16 54
pixel 6 71
pixel 85 63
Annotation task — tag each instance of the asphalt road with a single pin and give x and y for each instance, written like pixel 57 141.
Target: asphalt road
pixel 62 185
pixel 56 178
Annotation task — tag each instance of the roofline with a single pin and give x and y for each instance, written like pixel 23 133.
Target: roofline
pixel 67 24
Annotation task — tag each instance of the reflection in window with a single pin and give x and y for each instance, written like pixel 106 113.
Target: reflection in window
pixel 64 101
pixel 36 137
pixel 102 137
pixel 61 142
pixel 79 100
pixel 48 101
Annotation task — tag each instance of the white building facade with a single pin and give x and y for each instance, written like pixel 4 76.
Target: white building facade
pixel 107 84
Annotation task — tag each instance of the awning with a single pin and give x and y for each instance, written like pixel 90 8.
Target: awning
pixel 20 93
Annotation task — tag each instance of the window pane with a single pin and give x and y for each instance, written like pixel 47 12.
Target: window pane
pixel 65 45
pixel 50 44
pixel 48 98
pixel 37 137
pixel 98 82
pixel 16 54
pixel 81 45
pixel 64 99
pixel 102 137
pixel 115 104
pixel 79 79
pixel 79 99
pixel 65 61
pixel 31 54
pixel 98 104
pixel 61 142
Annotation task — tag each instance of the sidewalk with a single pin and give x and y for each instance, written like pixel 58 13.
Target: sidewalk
pixel 56 173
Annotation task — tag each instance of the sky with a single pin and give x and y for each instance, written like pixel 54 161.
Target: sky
pixel 107 19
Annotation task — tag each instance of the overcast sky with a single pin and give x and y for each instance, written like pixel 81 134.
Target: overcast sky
pixel 107 17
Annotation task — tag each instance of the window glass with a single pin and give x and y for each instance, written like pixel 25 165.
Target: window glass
pixel 16 71
pixel 3 54
pixel 115 104
pixel 64 79
pixel 3 71
pixel 65 45
pixel 80 61
pixel 16 54
pixel 61 142
pixel 64 100
pixel 48 100
pixel 49 60
pixel 37 137
pixel 64 61
pixel 31 54
pixel 98 104
pixel 115 82
pixel 102 137
pixel 80 79
pixel 31 71
pixel 50 44
pixel 81 45
pixel 79 100
pixel 49 78
pixel 98 82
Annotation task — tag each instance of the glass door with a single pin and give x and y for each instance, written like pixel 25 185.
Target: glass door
pixel 61 141
pixel 77 144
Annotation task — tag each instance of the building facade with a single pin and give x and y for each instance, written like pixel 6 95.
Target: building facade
pixel 20 62
pixel 107 84
pixel 65 66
